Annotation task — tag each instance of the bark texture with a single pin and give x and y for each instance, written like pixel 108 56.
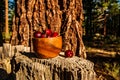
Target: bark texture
pixel 62 16
pixel 19 64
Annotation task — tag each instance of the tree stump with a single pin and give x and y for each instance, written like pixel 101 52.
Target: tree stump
pixel 62 16
pixel 58 68
pixel 23 65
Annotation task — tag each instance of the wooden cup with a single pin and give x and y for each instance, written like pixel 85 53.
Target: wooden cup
pixel 47 47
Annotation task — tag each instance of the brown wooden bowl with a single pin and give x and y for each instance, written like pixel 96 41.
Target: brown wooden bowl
pixel 47 47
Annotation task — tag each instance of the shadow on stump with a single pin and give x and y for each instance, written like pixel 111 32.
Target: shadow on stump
pixel 5 76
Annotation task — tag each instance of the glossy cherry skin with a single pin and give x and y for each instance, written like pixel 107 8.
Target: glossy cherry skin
pixel 37 34
pixel 48 32
pixel 43 35
pixel 68 53
pixel 54 34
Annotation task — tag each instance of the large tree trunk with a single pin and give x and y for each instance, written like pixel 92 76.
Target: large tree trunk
pixel 63 16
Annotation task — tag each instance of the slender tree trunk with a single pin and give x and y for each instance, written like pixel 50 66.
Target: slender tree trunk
pixel 6 19
pixel 104 26
pixel 63 16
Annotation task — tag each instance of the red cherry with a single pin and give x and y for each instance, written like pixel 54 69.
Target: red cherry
pixel 68 53
pixel 54 34
pixel 43 35
pixel 37 34
pixel 48 32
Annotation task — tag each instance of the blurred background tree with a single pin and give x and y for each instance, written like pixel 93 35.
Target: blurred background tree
pixel 11 8
pixel 102 16
pixel 2 19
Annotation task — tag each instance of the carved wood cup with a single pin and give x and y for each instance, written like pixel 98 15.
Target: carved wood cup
pixel 47 47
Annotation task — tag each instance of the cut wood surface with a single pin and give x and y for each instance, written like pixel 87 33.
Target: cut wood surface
pixel 22 65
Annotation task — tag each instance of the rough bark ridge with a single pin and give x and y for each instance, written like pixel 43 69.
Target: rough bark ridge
pixel 63 16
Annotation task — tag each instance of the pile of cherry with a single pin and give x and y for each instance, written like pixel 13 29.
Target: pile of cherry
pixel 49 34
pixel 45 34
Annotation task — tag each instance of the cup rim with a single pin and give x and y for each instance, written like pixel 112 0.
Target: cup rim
pixel 48 37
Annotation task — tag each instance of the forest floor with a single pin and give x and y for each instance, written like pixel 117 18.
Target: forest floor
pixel 105 54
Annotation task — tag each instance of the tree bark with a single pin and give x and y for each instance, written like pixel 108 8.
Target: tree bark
pixel 6 21
pixel 62 16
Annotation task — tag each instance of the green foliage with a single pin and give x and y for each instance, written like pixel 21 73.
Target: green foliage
pixel 11 13
pixel 114 8
pixel 6 36
pixel 95 16
pixel 113 69
pixel 2 14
